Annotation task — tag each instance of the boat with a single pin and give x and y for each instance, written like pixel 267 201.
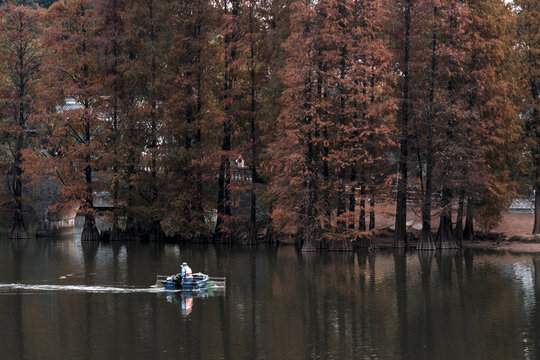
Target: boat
pixel 200 281
pixel 174 282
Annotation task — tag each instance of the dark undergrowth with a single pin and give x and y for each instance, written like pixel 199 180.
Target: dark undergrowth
pixel 530 240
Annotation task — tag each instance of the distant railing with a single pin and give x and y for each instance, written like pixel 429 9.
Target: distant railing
pixel 101 200
pixel 241 175
pixel 522 205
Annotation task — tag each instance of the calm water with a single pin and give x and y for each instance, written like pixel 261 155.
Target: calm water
pixel 63 300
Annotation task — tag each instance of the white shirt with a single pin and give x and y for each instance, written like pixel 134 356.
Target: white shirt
pixel 241 164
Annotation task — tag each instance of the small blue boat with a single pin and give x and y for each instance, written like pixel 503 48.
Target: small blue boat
pixel 175 282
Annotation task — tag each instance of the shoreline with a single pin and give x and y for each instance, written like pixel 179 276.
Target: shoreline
pixel 506 246
pixel 512 234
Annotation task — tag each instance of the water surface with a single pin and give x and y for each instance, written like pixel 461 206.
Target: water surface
pixel 60 299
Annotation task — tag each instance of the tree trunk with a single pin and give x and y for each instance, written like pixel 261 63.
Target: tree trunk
pixel 222 234
pixel 459 222
pixel 426 239
pixel 115 232
pixel 372 150
pixel 468 232
pixel 252 239
pixel 352 199
pixel 536 124
pixel 311 232
pixel 362 219
pixel 310 241
pixel 400 235
pixel 536 227
pixel 372 206
pixel 445 235
pixel 156 234
pixel 18 230
pixel 366 241
pixel 325 183
pixel 342 192
pixel 90 231
pixel 341 205
pixel 198 139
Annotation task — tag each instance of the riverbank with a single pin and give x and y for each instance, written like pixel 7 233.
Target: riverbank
pixel 522 246
pixel 512 234
pixel 513 246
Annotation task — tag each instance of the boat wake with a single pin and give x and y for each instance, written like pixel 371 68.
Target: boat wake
pixel 31 288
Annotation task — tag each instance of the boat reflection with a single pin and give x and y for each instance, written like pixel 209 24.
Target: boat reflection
pixel 186 299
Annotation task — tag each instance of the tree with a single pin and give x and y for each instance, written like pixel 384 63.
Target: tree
pixel 438 106
pixel 254 37
pixel 373 103
pixel 77 124
pixel 529 49
pixel 440 110
pixel 453 107
pixel 230 36
pixel 356 108
pixel 295 154
pixel 143 108
pixel 335 121
pixel 425 117
pixel 111 30
pixel 150 102
pixel 490 137
pixel 403 8
pixel 189 72
pixel 20 56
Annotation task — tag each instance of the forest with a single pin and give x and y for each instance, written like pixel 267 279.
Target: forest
pixel 240 121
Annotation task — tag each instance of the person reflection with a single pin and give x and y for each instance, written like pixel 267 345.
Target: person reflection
pixel 187 304
pixel 185 299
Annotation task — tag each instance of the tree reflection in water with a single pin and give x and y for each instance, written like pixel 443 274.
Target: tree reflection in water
pixel 279 303
pixel 536 316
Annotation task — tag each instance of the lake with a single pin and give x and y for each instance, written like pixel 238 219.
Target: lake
pixel 60 299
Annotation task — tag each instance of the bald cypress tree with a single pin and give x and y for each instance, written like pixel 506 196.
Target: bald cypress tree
pixel 529 50
pixel 295 154
pixel 20 56
pixel 403 12
pixel 110 14
pixel 489 149
pixel 73 75
pixel 187 97
pixel 142 146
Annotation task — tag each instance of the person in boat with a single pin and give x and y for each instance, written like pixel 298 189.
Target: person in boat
pixel 242 169
pixel 240 163
pixel 186 274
